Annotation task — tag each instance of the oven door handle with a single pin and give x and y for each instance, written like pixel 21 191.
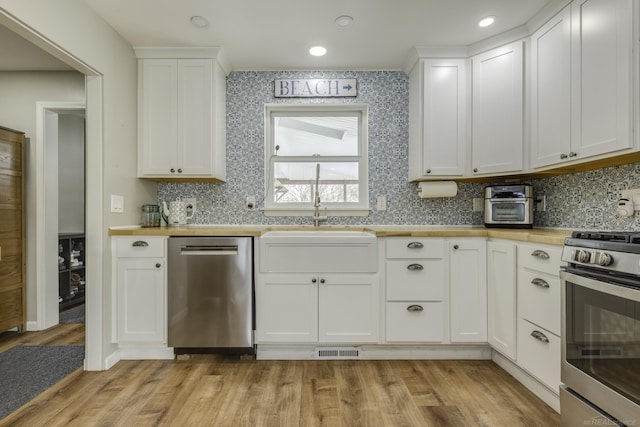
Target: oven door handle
pixel 540 336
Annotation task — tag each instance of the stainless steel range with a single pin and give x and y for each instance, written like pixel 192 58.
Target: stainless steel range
pixel 601 329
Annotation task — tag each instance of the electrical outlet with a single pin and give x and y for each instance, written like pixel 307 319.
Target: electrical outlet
pixel 251 202
pixel 190 201
pixel 541 203
pixel 633 195
pixel 381 203
pixel 478 204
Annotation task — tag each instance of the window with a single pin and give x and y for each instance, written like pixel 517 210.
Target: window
pixel 313 143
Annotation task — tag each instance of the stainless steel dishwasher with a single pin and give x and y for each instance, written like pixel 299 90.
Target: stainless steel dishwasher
pixel 210 294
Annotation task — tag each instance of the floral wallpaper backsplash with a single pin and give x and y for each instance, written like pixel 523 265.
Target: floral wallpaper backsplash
pixel 578 201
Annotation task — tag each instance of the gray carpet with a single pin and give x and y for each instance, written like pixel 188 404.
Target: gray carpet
pixel 73 315
pixel 28 370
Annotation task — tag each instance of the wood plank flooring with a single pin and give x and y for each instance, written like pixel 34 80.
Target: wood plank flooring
pixel 208 390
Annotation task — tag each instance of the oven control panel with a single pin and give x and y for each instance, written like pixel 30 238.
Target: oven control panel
pixel 585 256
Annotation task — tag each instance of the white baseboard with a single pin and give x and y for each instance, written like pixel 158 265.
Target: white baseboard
pixel 32 325
pixel 379 352
pixel 536 387
pixel 138 353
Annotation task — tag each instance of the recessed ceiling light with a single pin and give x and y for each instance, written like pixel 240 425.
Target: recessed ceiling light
pixel 485 22
pixel 343 22
pixel 317 51
pixel 199 21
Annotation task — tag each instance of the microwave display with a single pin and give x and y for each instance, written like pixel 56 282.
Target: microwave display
pixel 511 212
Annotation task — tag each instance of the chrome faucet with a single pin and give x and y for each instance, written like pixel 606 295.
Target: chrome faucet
pixel 317 218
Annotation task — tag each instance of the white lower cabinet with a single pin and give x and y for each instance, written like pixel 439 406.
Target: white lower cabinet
pixel 317 308
pixel 140 272
pixel 419 321
pixel 416 281
pixel 319 302
pixel 539 311
pixel 501 291
pixel 539 353
pixel 468 290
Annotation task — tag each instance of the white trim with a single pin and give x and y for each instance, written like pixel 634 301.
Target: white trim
pixel 46 216
pixel 94 228
pixel 336 209
pixel 379 352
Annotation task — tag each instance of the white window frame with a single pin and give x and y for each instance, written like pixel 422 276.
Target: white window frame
pixel 333 209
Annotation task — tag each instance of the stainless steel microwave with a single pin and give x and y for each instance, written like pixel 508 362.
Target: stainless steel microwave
pixel 509 206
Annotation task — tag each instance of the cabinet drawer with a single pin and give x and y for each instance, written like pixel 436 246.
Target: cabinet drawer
pixel 545 258
pixel 415 280
pixel 537 356
pixel 140 247
pixel 406 322
pixel 412 247
pixel 539 296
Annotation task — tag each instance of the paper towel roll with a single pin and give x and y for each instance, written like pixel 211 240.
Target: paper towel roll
pixel 432 189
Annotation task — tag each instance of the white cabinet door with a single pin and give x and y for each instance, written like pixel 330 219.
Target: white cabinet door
pixel 497 118
pixel 287 308
pixel 141 300
pixel 195 113
pixel 551 91
pixel 601 60
pixel 437 133
pixel 181 119
pixel 501 286
pixel 468 289
pixel 348 308
pixel 157 116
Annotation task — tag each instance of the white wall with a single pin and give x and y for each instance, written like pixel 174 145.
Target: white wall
pixel 71 26
pixel 20 92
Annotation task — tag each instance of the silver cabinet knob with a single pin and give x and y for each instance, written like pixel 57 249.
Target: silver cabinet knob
pixel 321 280
pixel 140 244
pixel 540 282
pixel 179 170
pixel 415 245
pixel 158 265
pixel 572 154
pixel 428 171
pixel 172 170
pixel 563 156
pixel 415 307
pixel 314 280
pixel 415 267
pixel 475 169
pixel 456 247
pixel 540 336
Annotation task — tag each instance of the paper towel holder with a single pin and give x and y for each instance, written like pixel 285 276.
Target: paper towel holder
pixel 437 189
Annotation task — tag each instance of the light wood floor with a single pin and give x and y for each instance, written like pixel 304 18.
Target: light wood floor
pixel 226 391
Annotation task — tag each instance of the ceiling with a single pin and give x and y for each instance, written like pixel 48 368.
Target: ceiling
pixel 277 34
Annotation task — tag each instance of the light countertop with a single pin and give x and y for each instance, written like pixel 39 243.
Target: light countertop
pixel 535 235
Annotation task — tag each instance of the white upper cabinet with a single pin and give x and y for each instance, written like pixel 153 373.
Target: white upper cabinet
pixel 437 122
pixel 181 119
pixel 551 91
pixel 497 140
pixel 581 96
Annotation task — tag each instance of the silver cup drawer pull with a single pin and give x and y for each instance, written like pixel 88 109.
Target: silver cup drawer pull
pixel 540 336
pixel 415 245
pixel 415 307
pixel 140 244
pixel 540 282
pixel 415 267
pixel 540 254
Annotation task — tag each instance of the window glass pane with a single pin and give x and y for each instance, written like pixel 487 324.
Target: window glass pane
pixel 295 182
pixel 319 135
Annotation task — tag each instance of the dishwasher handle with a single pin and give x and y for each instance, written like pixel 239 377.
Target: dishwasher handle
pixel 209 250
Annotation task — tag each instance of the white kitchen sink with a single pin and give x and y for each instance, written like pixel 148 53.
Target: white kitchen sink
pixel 325 250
